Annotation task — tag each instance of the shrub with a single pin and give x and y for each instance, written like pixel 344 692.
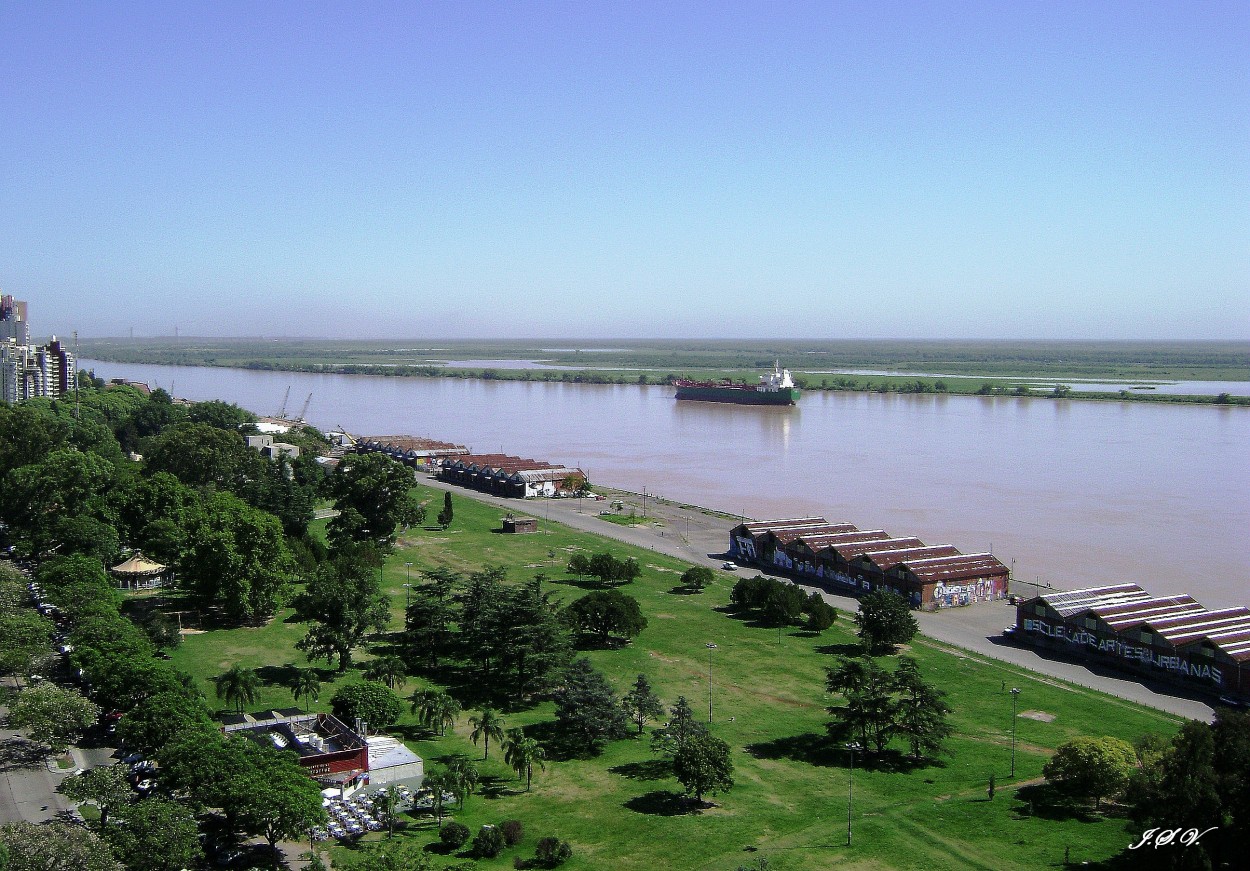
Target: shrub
pixel 551 851
pixel 454 835
pixel 488 843
pixel 513 832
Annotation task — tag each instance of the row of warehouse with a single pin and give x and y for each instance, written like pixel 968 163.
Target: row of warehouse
pixel 1173 638
pixel 499 474
pixel 505 475
pixel 930 577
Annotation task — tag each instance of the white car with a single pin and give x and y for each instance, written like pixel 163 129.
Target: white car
pixel 729 567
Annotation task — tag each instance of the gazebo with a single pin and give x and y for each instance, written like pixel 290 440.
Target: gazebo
pixel 140 573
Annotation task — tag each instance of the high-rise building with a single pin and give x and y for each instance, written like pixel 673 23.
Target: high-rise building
pixel 26 370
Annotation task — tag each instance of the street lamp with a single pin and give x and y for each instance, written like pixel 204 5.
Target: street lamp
pixel 407 592
pixel 850 786
pixel 710 647
pixel 1015 695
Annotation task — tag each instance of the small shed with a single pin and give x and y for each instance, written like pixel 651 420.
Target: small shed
pixel 140 573
pixel 520 524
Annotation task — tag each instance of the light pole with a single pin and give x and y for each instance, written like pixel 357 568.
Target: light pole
pixel 1015 695
pixel 850 786
pixel 710 647
pixel 407 592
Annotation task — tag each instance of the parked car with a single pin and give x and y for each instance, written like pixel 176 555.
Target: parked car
pixel 729 567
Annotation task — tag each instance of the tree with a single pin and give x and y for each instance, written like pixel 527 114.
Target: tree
pixel 1091 768
pixel 55 716
pixel 783 604
pixel 427 634
pixel 159 835
pixel 870 706
pixel 607 613
pixel 486 725
pixel 703 764
pixel 454 835
pixel 200 455
pixel 588 711
pixel 389 670
pixel 1179 789
pixel 436 711
pixel 237 687
pixel 445 516
pixel 236 556
pixel 372 495
pixel 344 599
pixel 884 620
pixel 523 754
pixel 695 579
pixel 159 719
pixel 271 795
pixel 387 805
pixel 464 777
pixel 682 725
pixel 55 846
pixel 374 703
pixel 920 715
pixel 223 415
pixel 24 636
pixel 641 703
pixel 306 685
pixel 107 787
pixel 551 851
pixel 439 783
pixel 487 843
pixel 820 614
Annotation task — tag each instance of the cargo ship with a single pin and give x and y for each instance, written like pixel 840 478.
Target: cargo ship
pixel 776 388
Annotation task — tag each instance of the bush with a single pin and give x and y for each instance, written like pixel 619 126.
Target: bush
pixel 454 835
pixel 551 851
pixel 488 843
pixel 513 832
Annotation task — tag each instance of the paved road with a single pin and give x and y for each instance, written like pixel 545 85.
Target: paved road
pixel 701 536
pixel 27 785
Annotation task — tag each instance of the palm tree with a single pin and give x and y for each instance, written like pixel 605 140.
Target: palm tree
pixel 389 670
pixel 305 685
pixel 388 804
pixel 435 710
pixel 438 783
pixel 237 687
pixel 486 725
pixel 464 777
pixel 522 754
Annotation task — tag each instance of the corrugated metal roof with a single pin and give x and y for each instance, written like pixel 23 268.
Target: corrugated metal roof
pixel 819 543
pixel 785 536
pixel 1185 628
pixel 1126 615
pixel 1075 601
pixel 885 560
pixel 756 527
pixel 853 549
pixel 944 569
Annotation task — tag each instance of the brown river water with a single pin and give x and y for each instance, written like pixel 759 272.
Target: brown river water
pixel 1075 493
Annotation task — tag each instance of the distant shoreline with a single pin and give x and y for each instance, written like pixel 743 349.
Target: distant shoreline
pixel 825 381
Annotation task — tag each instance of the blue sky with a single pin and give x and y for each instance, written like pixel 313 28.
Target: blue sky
pixel 825 170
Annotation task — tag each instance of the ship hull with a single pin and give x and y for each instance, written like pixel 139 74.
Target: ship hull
pixel 738 395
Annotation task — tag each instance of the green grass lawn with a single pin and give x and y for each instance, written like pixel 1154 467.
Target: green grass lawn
pixel 789 803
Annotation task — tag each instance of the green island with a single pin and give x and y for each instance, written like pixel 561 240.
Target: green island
pixel 987 368
pixel 510 656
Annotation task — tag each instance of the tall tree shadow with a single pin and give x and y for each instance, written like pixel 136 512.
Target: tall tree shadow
pixel 664 803
pixel 847 649
pixel 648 769
pixel 1042 800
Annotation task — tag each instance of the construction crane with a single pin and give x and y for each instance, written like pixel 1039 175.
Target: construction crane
pixel 303 411
pixel 282 411
pixel 347 437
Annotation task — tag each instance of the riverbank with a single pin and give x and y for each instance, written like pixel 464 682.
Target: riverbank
pixel 1138 372
pixel 700 536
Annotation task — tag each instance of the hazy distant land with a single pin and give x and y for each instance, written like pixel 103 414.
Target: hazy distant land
pixel 981 366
